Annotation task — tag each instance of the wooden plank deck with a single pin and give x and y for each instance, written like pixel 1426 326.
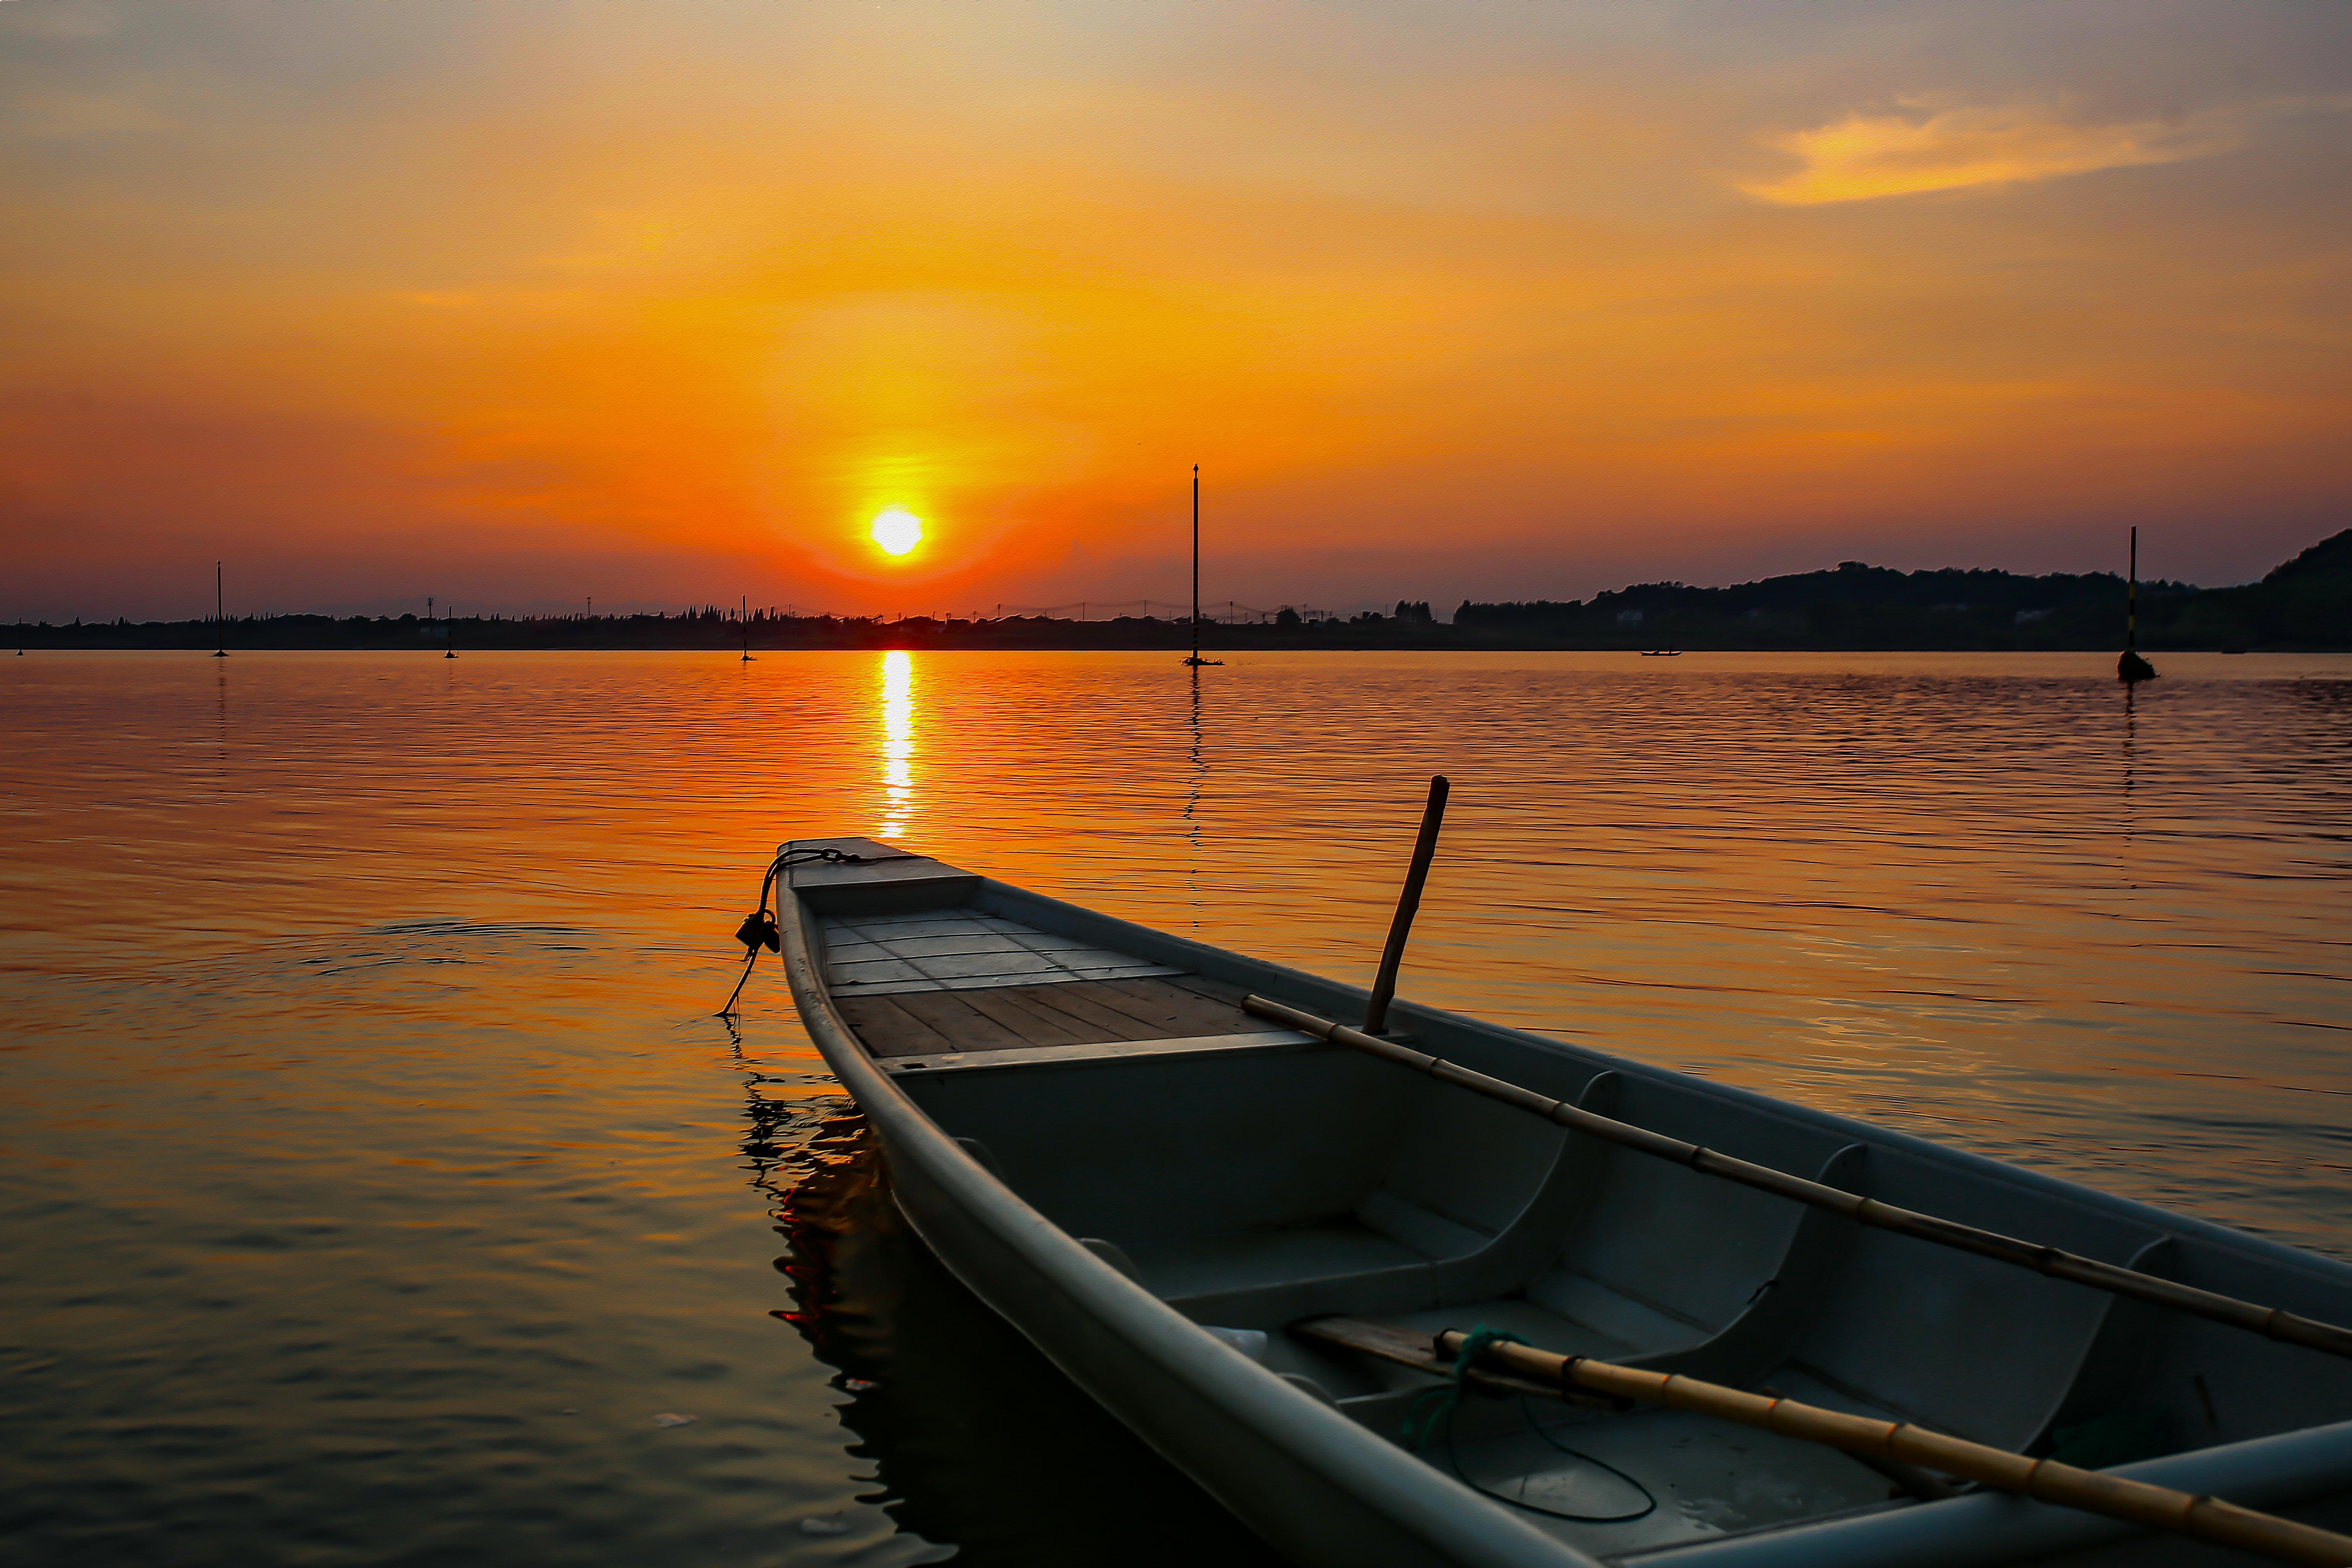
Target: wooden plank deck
pixel 1088 1012
pixel 961 949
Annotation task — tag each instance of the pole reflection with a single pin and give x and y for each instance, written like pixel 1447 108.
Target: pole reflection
pixel 898 742
pixel 1192 806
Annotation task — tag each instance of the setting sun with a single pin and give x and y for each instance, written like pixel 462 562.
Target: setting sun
pixel 897 531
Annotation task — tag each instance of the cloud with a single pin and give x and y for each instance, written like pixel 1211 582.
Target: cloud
pixel 1865 156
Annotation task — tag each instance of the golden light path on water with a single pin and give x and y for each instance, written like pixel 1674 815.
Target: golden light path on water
pixel 898 742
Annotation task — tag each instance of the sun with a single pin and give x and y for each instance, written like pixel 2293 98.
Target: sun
pixel 897 531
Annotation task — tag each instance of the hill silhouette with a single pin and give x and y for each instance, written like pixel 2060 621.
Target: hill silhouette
pixel 2306 603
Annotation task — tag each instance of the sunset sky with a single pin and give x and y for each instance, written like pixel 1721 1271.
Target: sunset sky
pixel 516 302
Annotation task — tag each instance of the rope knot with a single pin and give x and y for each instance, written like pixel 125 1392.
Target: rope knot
pixel 1435 1409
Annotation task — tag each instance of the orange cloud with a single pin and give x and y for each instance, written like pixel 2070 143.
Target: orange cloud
pixel 1867 156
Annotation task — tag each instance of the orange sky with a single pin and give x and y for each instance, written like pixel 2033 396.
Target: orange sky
pixel 515 303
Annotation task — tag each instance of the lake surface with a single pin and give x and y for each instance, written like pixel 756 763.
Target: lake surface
pixel 376 1175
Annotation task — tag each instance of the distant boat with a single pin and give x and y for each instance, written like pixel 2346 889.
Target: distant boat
pixel 1664 653
pixel 2131 668
pixel 1260 1239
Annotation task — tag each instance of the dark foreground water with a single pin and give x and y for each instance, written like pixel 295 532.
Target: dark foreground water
pixel 378 1188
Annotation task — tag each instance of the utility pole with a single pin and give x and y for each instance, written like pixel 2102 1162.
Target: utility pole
pixel 220 615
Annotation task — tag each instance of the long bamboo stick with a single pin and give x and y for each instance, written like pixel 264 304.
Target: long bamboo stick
pixel 1404 1348
pixel 2271 1322
pixel 2044 1480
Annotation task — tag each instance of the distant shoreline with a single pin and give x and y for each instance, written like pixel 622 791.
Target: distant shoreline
pixel 288 634
pixel 2303 605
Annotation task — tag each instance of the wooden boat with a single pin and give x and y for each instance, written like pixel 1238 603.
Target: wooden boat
pixel 1240 1238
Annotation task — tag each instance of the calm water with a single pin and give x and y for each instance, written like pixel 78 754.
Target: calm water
pixel 376 1174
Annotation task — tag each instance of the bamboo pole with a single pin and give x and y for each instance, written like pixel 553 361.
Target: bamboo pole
pixel 1424 850
pixel 2271 1322
pixel 2044 1480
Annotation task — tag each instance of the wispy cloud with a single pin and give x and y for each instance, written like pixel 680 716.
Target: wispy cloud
pixel 1927 148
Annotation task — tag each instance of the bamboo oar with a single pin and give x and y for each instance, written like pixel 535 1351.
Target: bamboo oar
pixel 2272 1322
pixel 1404 1348
pixel 2044 1480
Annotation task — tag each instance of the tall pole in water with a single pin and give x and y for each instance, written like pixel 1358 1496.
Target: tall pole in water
pixel 745 615
pixel 2131 668
pixel 1196 661
pixel 1196 563
pixel 220 615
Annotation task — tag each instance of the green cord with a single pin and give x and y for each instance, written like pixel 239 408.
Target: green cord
pixel 1434 1412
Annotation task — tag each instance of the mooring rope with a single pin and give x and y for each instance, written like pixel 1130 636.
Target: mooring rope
pixel 759 926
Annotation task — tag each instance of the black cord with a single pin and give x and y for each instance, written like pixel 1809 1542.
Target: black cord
pixel 1649 1499
pixel 1433 1414
pixel 759 928
pixel 728 1011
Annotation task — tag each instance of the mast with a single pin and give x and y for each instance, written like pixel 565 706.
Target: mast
pixel 1196 563
pixel 220 615
pixel 1196 662
pixel 2132 668
pixel 2131 598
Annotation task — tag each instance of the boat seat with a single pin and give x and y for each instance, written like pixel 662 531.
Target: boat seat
pixel 1635 1335
pixel 1241 1260
pixel 1539 1325
pixel 1355 1377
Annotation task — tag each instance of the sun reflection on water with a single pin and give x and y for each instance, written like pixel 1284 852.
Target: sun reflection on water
pixel 898 742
